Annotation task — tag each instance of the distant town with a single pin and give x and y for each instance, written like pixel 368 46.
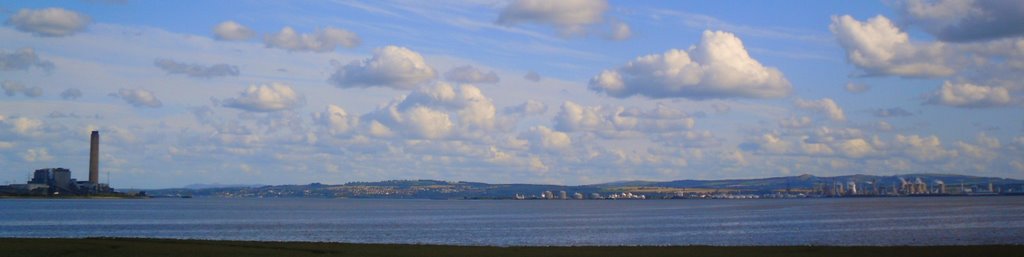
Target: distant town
pixel 871 188
pixel 804 186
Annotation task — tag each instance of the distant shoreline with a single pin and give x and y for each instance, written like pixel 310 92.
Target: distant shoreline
pixel 31 247
pixel 803 186
pixel 74 197
pixel 489 199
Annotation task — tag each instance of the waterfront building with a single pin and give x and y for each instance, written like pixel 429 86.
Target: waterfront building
pixel 837 189
pixel 547 195
pixel 41 176
pixel 916 187
pixel 61 178
pixel 27 189
pixel 58 181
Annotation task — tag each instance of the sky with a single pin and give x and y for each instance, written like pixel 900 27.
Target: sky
pixel 529 91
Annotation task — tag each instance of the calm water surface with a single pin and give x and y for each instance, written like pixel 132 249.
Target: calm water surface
pixel 860 221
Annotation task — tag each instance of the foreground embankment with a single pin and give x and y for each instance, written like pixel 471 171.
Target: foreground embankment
pixel 113 247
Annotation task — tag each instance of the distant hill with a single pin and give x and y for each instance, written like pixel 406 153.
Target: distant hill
pixel 810 181
pixel 215 185
pixel 436 189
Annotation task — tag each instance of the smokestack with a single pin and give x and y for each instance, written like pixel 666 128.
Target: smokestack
pixel 94 158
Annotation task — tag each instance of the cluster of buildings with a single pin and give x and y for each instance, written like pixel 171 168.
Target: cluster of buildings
pixel 730 195
pixel 919 187
pixel 562 195
pixel 873 187
pixel 904 187
pixel 58 181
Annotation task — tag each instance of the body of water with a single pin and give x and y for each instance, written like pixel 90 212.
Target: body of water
pixel 850 221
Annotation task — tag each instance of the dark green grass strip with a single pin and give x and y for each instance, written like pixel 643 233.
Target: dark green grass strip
pixel 115 247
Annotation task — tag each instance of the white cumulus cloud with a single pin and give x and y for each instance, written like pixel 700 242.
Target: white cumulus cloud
pixel 825 106
pixel 391 66
pixel 542 138
pixel 232 31
pixel 575 117
pixel 336 120
pixel 795 122
pixel 417 122
pixel 49 22
pixel 966 20
pixel 619 122
pixel 196 70
pixel 620 31
pixel 532 76
pixel 878 47
pixel 22 59
pixel 1017 165
pixel 970 96
pixel 139 97
pixel 470 74
pixel 826 150
pixel 436 112
pixel 24 126
pixel 892 112
pixel 71 94
pixel 266 98
pixel 923 149
pixel 323 40
pixel 570 17
pixel 718 67
pixel 12 88
pixel 856 88
pixel 37 155
pixel 530 107
pixel 772 143
pixel 856 148
pixel 427 123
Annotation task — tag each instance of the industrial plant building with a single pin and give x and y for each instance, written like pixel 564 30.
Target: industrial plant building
pixel 58 181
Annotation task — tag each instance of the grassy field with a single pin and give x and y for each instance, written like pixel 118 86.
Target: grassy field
pixel 114 247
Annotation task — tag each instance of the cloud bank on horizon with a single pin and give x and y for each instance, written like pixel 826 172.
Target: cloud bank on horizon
pixel 569 92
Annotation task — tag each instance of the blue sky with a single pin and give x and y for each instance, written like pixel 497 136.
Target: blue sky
pixel 567 92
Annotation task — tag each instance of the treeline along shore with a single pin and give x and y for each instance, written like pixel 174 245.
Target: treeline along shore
pixel 116 247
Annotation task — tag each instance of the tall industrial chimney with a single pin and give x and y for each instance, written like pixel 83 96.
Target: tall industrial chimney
pixel 94 158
